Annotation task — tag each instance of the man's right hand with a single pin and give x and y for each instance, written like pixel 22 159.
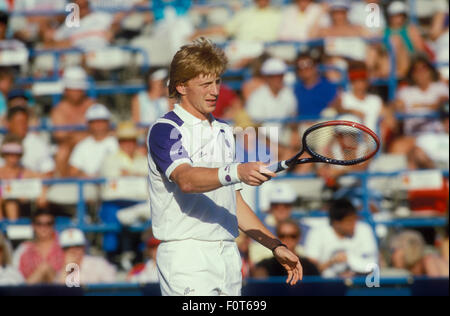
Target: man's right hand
pixel 254 173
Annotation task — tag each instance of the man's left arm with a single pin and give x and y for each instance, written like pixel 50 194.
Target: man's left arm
pixel 250 224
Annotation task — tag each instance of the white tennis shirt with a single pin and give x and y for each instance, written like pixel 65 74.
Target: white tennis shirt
pixel 180 138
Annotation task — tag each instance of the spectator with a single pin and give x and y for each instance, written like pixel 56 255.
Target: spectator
pixel 409 253
pixel 42 259
pixel 8 274
pixel 37 155
pixel 425 95
pixel 146 273
pixel 431 150
pixel 96 30
pixel 288 231
pixel 345 247
pixel 92 270
pixel 358 16
pixel 243 243
pixel 258 23
pixel 340 23
pixel 299 19
pixel 405 38
pixel 151 104
pixel 439 34
pixel 274 100
pixel 71 111
pixel 127 162
pixel 256 80
pixel 6 84
pixel 30 28
pixel 333 175
pixel 89 155
pixel 282 198
pixel 228 104
pixel 313 91
pixel 12 152
pixel 359 102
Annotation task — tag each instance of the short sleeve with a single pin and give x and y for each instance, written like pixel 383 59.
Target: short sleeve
pixel 76 159
pixel 166 148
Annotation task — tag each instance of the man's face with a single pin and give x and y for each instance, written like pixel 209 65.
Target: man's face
pixel 75 254
pixel 360 85
pixel 12 160
pixel 289 235
pixel 281 211
pixel 99 127
pixel 306 68
pixel 262 3
pixel 339 16
pixel 303 4
pixel 18 125
pixel 346 227
pixel 201 93
pixel 128 146
pixel 74 96
pixel 275 82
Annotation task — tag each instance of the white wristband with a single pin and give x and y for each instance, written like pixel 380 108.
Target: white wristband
pixel 228 175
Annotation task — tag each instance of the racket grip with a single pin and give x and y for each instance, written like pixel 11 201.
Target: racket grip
pixel 276 167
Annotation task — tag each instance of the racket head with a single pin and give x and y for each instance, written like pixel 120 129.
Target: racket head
pixel 357 143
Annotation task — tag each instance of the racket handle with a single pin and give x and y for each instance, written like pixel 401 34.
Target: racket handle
pixel 277 167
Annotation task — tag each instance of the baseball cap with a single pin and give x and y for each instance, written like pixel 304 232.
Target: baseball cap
pixel 397 7
pixel 160 74
pixel 127 130
pixel 75 78
pixel 273 67
pixel 282 193
pixel 339 5
pixel 72 238
pixel 98 112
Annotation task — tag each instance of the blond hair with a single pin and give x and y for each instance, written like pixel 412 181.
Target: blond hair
pixel 412 244
pixel 201 57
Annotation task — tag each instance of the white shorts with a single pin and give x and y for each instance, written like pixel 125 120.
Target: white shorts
pixel 199 268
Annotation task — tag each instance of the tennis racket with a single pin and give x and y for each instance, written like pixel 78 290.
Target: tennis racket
pixel 342 143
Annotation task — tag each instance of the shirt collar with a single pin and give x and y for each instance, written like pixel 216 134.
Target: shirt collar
pixel 190 119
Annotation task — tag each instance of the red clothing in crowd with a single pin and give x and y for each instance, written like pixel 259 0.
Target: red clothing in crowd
pixel 31 259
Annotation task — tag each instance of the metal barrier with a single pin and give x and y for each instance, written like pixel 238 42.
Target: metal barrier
pixel 363 176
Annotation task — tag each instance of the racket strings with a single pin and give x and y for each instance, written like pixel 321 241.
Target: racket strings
pixel 341 142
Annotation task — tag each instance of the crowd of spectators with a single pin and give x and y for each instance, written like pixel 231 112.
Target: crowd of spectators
pixel 91 137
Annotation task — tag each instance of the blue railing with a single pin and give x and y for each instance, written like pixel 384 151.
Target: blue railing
pixel 363 176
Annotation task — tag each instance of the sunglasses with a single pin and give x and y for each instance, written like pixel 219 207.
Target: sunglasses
pixel 48 224
pixel 291 236
pixel 305 64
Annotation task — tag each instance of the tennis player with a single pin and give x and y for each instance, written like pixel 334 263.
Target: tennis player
pixel 195 198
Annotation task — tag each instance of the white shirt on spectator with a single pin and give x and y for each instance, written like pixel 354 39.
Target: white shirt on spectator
pixel 96 270
pixel 10 276
pixel 296 25
pixel 322 244
pixel 436 146
pixel 418 101
pixel 263 104
pixel 37 154
pixel 92 33
pixel 371 106
pixel 89 155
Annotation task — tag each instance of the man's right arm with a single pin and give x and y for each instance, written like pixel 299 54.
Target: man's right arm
pixel 172 159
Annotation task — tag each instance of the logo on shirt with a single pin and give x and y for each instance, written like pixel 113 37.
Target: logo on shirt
pixel 188 290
